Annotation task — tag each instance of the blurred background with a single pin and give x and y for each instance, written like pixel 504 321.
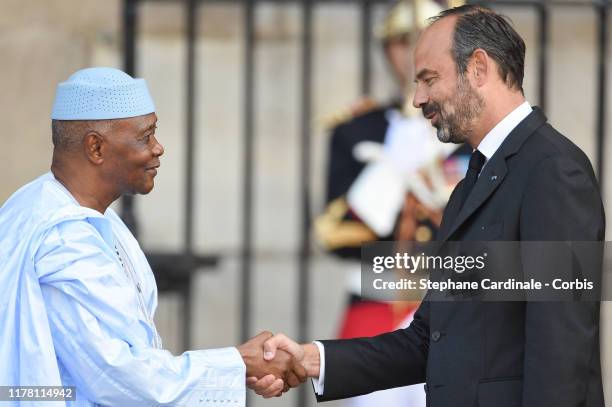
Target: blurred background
pixel 247 94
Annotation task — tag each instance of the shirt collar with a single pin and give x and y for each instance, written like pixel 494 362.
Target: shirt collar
pixel 491 142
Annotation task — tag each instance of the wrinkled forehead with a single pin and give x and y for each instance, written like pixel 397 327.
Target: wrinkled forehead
pixel 433 48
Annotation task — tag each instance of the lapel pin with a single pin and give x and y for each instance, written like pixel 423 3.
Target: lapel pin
pixel 494 178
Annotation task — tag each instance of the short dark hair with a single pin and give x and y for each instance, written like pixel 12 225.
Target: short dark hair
pixel 480 27
pixel 67 135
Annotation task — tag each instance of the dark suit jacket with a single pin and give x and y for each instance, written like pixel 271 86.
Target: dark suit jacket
pixel 538 186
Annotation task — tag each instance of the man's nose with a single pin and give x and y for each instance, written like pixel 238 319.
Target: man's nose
pixel 158 149
pixel 420 98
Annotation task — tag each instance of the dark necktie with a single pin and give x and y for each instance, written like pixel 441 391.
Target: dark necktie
pixel 477 161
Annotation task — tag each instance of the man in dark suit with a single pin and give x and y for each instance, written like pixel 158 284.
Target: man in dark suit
pixel 526 182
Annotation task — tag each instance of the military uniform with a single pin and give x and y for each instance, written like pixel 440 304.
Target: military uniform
pixel 343 231
pixel 339 229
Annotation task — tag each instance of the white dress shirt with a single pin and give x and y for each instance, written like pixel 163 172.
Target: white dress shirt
pixel 488 146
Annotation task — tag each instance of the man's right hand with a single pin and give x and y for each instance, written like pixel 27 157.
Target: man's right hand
pixel 307 355
pixel 283 370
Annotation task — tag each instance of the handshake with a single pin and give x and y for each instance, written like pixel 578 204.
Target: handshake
pixel 275 363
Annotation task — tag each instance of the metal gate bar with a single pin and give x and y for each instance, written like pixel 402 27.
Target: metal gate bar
pixel 366 46
pixel 303 298
pixel 130 28
pixel 602 83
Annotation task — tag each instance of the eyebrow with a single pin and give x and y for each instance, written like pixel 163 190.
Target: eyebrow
pixel 151 127
pixel 423 73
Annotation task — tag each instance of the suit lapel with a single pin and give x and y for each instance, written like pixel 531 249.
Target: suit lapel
pixel 492 176
pixel 450 212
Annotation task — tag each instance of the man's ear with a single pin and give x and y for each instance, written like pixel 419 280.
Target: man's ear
pixel 480 66
pixel 93 143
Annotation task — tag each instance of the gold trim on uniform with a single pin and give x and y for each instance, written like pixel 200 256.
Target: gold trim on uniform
pixel 333 232
pixel 423 234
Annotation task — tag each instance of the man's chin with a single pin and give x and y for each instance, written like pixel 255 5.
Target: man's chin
pixel 445 136
pixel 146 188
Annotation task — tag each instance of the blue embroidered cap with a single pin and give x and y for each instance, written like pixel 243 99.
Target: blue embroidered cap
pixel 101 93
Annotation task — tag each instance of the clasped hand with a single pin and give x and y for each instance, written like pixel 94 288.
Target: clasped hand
pixel 275 363
pixel 273 374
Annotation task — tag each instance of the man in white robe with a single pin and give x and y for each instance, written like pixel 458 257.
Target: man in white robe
pixel 78 296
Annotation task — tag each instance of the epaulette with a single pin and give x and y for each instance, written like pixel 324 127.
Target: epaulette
pixel 333 231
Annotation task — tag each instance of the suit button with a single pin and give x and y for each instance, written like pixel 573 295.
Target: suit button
pixel 435 336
